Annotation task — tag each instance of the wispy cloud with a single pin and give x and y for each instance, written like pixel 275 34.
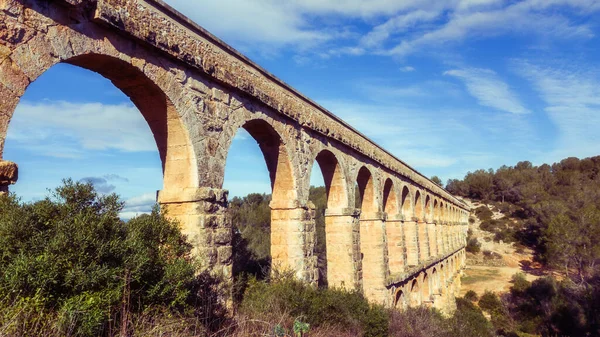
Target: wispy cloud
pixel 396 28
pixel 102 184
pixel 138 205
pixel 572 97
pixel 531 17
pixel 489 90
pixel 63 129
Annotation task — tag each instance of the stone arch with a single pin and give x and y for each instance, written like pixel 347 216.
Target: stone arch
pixel 436 210
pixel 442 211
pixel 399 299
pixel 338 266
pixel 366 188
pixel 415 293
pixel 428 208
pixel 173 141
pixel 390 201
pixel 406 203
pixel 334 178
pixel 426 286
pixel 435 282
pixel 281 174
pixel 443 277
pixel 418 205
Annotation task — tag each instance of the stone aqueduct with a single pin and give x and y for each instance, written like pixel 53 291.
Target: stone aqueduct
pixel 403 246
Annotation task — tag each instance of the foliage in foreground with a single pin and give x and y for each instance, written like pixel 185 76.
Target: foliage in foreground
pixel 69 264
pixel 545 307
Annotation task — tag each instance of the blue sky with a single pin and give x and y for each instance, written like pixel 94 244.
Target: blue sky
pixel 447 86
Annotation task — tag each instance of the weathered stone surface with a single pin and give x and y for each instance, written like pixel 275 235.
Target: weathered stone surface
pixel 9 173
pixel 196 92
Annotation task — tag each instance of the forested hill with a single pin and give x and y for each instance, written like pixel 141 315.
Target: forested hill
pixel 560 204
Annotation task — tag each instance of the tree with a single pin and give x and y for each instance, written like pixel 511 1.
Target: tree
pixel 575 240
pixel 73 254
pixel 437 180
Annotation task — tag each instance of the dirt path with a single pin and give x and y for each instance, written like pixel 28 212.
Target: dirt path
pixel 493 275
pixel 496 279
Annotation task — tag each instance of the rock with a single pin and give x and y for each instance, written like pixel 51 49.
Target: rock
pixel 9 173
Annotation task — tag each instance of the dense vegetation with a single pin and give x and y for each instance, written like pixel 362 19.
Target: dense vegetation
pixel 556 211
pixel 559 206
pixel 544 307
pixel 70 267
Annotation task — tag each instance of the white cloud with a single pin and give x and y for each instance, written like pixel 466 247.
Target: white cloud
pixel 489 90
pixel 332 27
pixel 246 22
pixel 531 17
pixel 398 24
pixel 572 98
pixel 62 129
pixel 138 205
pixel 407 69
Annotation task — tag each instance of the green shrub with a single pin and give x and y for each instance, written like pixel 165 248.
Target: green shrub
pixel 73 253
pixel 490 302
pixel 489 255
pixel 318 307
pixel 468 320
pixel 483 213
pixel 520 284
pixel 473 246
pixel 419 322
pixel 471 296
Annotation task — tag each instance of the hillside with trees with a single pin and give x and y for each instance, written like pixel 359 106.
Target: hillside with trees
pixel 559 205
pixel 554 210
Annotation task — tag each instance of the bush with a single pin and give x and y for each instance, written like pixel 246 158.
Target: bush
pixel 504 235
pixel 473 246
pixel 419 322
pixel 489 255
pixel 483 213
pixel 471 296
pixel 490 302
pixel 520 284
pixel 468 320
pixel 492 225
pixel 73 254
pixel 287 298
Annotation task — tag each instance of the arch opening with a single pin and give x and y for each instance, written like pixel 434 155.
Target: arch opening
pixel 390 203
pixel 366 191
pixel 332 196
pixel 418 206
pixel 283 185
pixel 415 294
pixel 406 203
pixel 334 180
pixel 399 300
pixel 173 143
pixel 252 209
pixel 426 287
pixel 428 211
